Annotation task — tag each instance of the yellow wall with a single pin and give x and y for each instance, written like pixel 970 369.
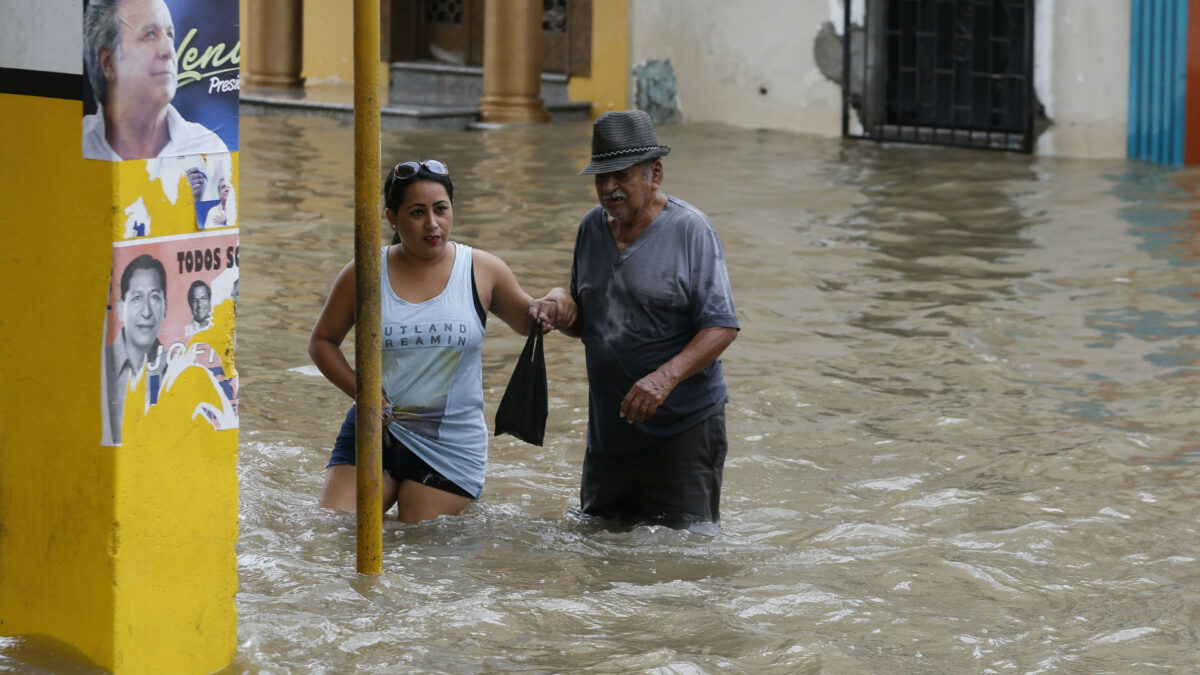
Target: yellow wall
pixel 327 53
pixel 329 41
pixel 56 486
pixel 176 507
pixel 608 86
pixel 126 553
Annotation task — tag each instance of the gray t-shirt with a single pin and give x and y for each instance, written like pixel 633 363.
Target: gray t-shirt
pixel 640 308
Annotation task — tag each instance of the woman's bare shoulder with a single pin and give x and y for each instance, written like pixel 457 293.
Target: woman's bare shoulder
pixel 489 263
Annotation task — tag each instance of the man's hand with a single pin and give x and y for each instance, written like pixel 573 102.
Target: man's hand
pixel 649 392
pixel 196 179
pixel 646 395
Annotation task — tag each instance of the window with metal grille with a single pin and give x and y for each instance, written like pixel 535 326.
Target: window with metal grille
pixel 443 11
pixel 554 16
pixel 950 72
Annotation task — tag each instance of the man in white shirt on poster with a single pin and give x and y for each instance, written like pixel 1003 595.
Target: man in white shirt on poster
pixel 129 52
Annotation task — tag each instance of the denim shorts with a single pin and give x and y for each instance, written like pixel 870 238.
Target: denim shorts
pixel 676 481
pixel 398 461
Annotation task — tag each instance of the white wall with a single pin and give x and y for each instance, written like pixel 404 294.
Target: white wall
pixel 1083 76
pixel 42 35
pixel 723 52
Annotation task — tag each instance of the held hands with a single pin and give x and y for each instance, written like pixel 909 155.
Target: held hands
pixel 646 395
pixel 542 313
pixel 556 310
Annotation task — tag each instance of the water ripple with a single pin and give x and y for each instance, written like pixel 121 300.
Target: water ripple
pixel 962 429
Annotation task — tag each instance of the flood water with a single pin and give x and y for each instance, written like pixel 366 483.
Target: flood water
pixel 963 426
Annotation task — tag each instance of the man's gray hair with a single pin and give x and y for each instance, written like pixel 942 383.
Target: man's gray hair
pixel 101 29
pixel 648 169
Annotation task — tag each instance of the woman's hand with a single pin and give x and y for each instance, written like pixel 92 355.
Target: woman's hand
pixel 386 408
pixel 542 314
pixel 335 321
pixel 556 310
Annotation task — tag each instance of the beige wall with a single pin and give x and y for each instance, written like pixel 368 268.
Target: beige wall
pixel 1082 78
pixel 723 53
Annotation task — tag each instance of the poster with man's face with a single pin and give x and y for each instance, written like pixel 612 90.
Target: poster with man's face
pixel 160 78
pixel 169 332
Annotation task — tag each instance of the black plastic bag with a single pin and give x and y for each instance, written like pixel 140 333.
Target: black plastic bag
pixel 523 409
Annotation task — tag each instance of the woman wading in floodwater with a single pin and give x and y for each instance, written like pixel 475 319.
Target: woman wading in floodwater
pixel 434 299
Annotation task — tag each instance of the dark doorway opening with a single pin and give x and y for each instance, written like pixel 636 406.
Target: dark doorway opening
pixel 948 72
pixel 451 32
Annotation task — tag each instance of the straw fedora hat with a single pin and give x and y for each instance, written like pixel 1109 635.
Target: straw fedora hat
pixel 622 139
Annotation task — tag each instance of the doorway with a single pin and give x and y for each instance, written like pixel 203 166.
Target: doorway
pixel 451 32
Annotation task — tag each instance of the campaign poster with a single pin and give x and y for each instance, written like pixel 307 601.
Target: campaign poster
pixel 155 194
pixel 169 333
pixel 160 78
pixel 212 182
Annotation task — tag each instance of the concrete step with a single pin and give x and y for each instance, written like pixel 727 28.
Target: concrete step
pixel 338 101
pixel 429 116
pixel 419 82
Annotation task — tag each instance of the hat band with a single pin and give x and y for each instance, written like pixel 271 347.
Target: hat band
pixel 627 151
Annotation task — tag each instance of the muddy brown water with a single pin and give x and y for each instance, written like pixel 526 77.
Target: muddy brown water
pixel 963 426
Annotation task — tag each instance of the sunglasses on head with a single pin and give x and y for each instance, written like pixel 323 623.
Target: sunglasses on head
pixel 406 170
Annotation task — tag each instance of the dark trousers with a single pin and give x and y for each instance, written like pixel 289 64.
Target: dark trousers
pixel 675 482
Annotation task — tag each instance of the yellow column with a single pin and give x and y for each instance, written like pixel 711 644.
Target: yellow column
pixel 368 393
pixel 608 86
pixel 512 62
pixel 275 35
pixel 123 549
pixel 128 552
pixel 57 488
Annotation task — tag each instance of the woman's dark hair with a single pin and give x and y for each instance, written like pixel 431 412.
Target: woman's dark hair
pixel 394 189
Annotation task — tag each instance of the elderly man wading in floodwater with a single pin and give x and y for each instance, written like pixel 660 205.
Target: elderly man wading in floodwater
pixel 655 313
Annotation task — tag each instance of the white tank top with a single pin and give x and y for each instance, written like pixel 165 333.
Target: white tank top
pixel 433 375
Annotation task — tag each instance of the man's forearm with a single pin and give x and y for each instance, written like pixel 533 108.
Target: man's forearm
pixel 701 350
pixel 648 393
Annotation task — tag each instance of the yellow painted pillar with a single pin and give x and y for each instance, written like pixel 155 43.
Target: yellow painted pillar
pixel 512 62
pixel 608 86
pixel 118 523
pixel 368 394
pixel 275 43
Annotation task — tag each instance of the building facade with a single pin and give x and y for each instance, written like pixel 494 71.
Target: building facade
pixel 1055 77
